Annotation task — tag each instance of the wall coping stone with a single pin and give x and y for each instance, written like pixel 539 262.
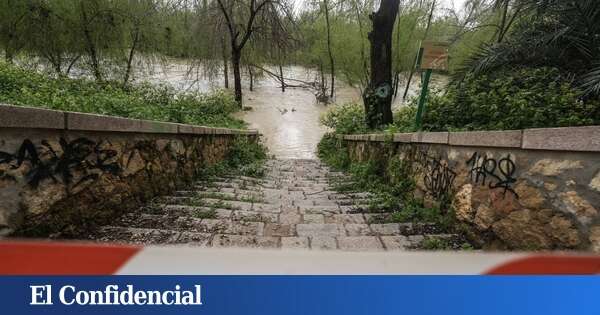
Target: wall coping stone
pixel 403 137
pixel 378 137
pixel 39 118
pixel 30 117
pixel 430 137
pixel 498 139
pixel 585 139
pixel 365 137
pixel 563 139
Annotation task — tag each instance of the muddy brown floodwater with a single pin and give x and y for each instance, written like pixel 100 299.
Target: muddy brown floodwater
pixel 288 121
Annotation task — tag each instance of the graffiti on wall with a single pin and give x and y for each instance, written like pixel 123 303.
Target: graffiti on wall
pixel 438 176
pixel 499 174
pixel 79 161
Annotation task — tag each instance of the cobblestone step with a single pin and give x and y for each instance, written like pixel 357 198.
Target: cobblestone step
pixel 294 206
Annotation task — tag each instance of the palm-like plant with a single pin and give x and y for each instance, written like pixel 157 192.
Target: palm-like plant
pixel 555 33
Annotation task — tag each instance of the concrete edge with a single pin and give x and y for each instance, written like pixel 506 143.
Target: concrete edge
pixel 430 137
pixel 498 139
pixel 403 137
pixel 586 139
pixel 30 117
pixel 39 118
pixel 580 139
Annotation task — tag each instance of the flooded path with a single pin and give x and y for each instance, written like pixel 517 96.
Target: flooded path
pixel 288 121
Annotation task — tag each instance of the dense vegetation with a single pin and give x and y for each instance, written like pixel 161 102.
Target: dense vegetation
pixel 549 33
pixel 22 87
pixel 391 183
pixel 514 63
pixel 114 40
pixel 504 100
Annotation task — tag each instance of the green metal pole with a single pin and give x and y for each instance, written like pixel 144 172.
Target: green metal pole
pixel 422 98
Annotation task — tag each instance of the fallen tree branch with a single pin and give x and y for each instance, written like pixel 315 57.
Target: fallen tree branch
pixel 303 84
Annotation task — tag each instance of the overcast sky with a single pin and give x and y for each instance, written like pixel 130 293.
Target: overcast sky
pixel 457 3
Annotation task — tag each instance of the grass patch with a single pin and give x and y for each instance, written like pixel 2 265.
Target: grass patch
pixel 252 199
pixel 205 214
pixel 246 157
pixel 145 101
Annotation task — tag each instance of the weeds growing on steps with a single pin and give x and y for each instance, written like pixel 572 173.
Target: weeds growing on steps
pixel 391 185
pixel 430 243
pixel 205 214
pixel 246 157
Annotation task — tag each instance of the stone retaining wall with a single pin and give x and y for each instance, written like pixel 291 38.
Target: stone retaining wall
pixel 62 172
pixel 523 189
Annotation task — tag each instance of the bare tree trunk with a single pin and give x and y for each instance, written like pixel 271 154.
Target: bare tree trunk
pixel 225 63
pixel 378 94
pixel 57 67
pixel 251 75
pixel 71 64
pixel 8 57
pixel 226 72
pixel 329 51
pixel 236 57
pixel 282 79
pixel 136 38
pixel 240 39
pixel 90 46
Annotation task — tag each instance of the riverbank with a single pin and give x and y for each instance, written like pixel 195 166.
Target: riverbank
pixel 288 121
pixel 141 101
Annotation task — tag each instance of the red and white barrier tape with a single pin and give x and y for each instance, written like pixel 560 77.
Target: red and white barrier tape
pixel 50 258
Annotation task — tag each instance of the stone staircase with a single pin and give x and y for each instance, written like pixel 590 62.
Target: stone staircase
pixel 294 206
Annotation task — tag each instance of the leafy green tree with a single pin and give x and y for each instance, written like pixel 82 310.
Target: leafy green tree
pixel 243 18
pixel 13 23
pixel 560 34
pixel 140 29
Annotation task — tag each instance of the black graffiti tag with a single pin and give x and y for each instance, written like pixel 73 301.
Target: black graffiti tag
pixel 83 155
pixel 497 173
pixel 438 176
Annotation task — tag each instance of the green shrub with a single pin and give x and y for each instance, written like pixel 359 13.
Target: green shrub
pixel 506 100
pixel 29 88
pixel 245 152
pixel 329 153
pixel 345 119
pixel 404 119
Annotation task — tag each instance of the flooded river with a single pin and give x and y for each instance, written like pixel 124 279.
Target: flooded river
pixel 288 121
